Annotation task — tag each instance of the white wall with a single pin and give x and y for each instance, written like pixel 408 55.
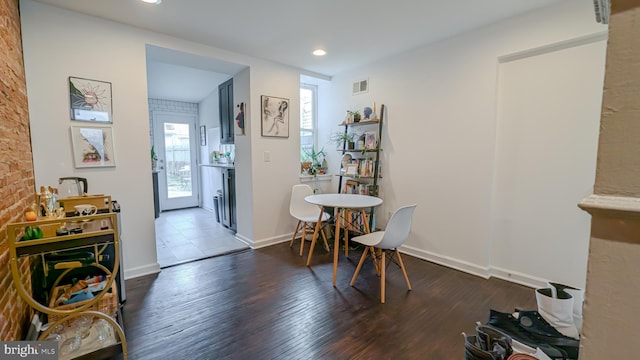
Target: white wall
pixel 271 183
pixel 49 60
pixel 548 119
pixel 440 138
pixel 117 55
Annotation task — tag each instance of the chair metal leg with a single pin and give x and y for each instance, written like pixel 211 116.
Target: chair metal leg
pixel 355 274
pixel 404 270
pixel 295 233
pixel 383 275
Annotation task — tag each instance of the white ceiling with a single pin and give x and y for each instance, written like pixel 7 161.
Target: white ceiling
pixel 353 32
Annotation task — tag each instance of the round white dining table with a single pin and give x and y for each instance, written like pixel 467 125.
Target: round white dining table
pixel 338 202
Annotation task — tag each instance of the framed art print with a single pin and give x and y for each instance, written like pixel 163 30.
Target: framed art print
pixel 370 140
pixel 275 116
pixel 92 146
pixel 90 100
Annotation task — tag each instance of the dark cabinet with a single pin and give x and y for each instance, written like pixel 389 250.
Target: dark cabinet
pixel 229 198
pixel 225 98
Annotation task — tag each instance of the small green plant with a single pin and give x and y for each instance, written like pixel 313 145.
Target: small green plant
pixel 339 137
pixel 154 157
pixel 316 157
pixel 355 115
pixel 313 161
pixel 344 140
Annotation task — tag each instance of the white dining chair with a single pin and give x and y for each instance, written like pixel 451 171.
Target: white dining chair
pixel 378 242
pixel 307 214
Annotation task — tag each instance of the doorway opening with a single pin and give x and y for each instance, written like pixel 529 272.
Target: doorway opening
pixel 183 106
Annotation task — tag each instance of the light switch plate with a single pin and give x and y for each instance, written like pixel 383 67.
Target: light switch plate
pixel 267 156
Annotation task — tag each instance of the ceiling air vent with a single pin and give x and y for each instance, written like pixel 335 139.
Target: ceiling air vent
pixel 360 87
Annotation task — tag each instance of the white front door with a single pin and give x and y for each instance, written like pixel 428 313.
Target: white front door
pixel 175 144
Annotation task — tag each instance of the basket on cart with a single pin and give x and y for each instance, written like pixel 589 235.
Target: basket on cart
pixel 108 304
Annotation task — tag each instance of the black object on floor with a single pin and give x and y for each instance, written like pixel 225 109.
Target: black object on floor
pixel 535 332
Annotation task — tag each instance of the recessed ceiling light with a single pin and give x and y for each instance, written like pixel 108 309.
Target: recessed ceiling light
pixel 153 1
pixel 319 52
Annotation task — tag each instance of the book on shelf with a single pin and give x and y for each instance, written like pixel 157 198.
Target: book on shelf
pixel 360 168
pixel 355 187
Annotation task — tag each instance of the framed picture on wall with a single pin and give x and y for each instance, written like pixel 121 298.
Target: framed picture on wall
pixel 90 100
pixel 240 120
pixel 275 116
pixel 92 146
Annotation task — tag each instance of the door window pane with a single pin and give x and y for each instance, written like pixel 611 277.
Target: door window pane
pixel 178 159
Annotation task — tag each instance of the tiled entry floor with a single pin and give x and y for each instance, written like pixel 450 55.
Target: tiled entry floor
pixel 192 234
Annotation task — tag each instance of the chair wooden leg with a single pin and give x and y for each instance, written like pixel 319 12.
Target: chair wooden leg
pixel 315 236
pixel 365 222
pixel 295 233
pixel 362 258
pixel 376 263
pixel 383 275
pixel 324 237
pixel 346 242
pixel 304 235
pixel 404 270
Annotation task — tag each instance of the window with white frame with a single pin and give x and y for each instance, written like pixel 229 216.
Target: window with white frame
pixel 308 119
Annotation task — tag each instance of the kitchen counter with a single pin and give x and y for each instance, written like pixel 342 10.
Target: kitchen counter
pixel 220 165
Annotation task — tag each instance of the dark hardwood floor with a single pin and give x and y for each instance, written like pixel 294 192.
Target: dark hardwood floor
pixel 266 304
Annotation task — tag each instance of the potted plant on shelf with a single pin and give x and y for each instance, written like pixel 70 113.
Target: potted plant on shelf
pixel 355 115
pixel 344 140
pixel 305 163
pixel 317 161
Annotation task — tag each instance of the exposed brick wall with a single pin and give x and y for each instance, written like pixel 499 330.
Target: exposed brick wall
pixel 17 183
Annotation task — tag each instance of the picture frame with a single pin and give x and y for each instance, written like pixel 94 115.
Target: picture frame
pixel 274 116
pixel 240 119
pixel 351 170
pixel 370 140
pixel 90 100
pixel 203 135
pixel 92 146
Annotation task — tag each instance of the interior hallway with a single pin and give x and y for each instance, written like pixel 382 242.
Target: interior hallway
pixel 192 234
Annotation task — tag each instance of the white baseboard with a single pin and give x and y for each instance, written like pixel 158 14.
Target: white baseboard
pixel 447 261
pixel 470 268
pixel 518 278
pixel 141 271
pixel 271 241
pixel 209 209
pixel 244 239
